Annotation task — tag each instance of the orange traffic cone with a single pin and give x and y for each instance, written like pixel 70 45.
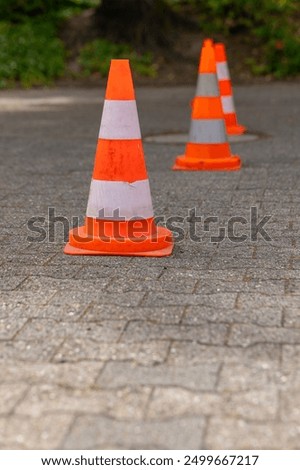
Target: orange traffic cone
pixel 232 126
pixel 208 147
pixel 119 218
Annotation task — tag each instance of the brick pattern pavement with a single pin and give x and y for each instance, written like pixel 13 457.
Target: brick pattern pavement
pixel 197 351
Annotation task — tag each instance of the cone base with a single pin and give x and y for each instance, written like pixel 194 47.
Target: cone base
pixel 236 130
pixel 162 245
pixel 184 163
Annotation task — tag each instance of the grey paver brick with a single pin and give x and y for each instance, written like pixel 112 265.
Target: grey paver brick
pixel 92 432
pixel 32 351
pixel 47 329
pixel 267 316
pixel 212 333
pixel 228 433
pixel 10 396
pixel 21 432
pixel 170 315
pixel 146 352
pixel 216 299
pixel 200 377
pixel 182 353
pixel 43 399
pixel 106 298
pixel 161 285
pixel 291 357
pixel 291 317
pixel 135 272
pixel 23 301
pixel 245 335
pixel 9 327
pixel 37 283
pixel 60 311
pixel 241 377
pixel 290 403
pixel 78 376
pixel 10 283
pixel 252 405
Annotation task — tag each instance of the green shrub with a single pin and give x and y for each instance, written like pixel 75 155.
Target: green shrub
pixel 267 23
pixel 22 10
pixel 30 53
pixel 96 56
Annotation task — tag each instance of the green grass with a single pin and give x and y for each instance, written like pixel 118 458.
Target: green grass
pixel 30 53
pixel 96 56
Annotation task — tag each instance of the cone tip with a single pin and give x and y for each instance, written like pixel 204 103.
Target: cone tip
pixel 208 42
pixel 119 82
pixel 207 58
pixel 220 52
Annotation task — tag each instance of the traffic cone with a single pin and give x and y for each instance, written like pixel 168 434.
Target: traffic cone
pixel 232 126
pixel 208 147
pixel 119 217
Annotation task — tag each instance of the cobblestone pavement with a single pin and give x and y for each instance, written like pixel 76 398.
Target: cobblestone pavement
pixel 200 350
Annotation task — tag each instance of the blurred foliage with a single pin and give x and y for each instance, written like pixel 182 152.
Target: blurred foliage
pixel 270 25
pixel 96 56
pixel 30 53
pixel 23 10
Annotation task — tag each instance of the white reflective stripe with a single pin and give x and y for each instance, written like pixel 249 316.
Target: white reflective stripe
pixel 118 200
pixel 227 104
pixel 207 131
pixel 207 85
pixel 223 71
pixel 120 120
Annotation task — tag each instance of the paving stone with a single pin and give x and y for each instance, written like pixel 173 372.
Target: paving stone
pixel 207 333
pixel 262 300
pixel 23 270
pixel 60 311
pixel 245 335
pixel 267 316
pixel 121 285
pixel 106 298
pixel 10 396
pixel 228 433
pixel 293 287
pixel 37 283
pixel 10 283
pixel 23 302
pixel 126 403
pixel 225 286
pixel 21 432
pixel 97 332
pixel 146 352
pixel 216 299
pixel 290 401
pixel 182 353
pixel 30 259
pixel 78 376
pixel 135 272
pixel 9 327
pixel 253 405
pixel 92 432
pixel 291 317
pixel 171 315
pixel 32 351
pixel 201 377
pixel 241 377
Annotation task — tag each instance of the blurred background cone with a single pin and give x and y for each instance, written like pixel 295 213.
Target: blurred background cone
pixel 232 126
pixel 208 147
